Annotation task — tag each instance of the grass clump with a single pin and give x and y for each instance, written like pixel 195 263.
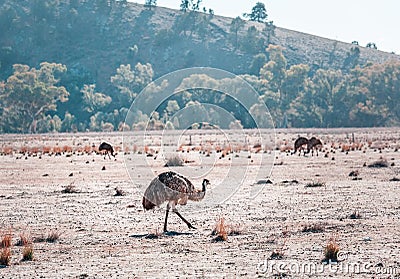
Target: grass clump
pixel 313 228
pixel 174 161
pixel 315 184
pixel 331 251
pixel 51 237
pixel 5 252
pixel 382 163
pixel 220 231
pixel 69 189
pixel 5 256
pixel 27 252
pixel 25 240
pixel 119 192
pixel 6 240
pixel 355 215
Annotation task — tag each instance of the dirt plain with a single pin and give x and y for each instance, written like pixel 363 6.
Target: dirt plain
pixel 103 235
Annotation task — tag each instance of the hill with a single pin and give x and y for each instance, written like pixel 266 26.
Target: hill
pixel 93 40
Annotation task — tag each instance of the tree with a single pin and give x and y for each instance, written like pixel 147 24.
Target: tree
pixel 371 45
pixel 184 5
pixel 236 24
pixel 258 13
pixel 150 3
pixel 131 82
pixel 93 101
pixel 29 94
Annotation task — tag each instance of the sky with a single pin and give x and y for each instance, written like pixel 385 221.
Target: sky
pixel 343 20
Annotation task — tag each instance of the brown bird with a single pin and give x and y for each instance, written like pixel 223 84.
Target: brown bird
pixel 298 144
pixel 312 144
pixel 175 189
pixel 107 149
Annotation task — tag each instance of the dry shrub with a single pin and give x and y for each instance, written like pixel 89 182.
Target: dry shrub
pixel 69 189
pixel 174 161
pixel 5 252
pixel 87 149
pixel 331 250
pixel 220 230
pixel 6 239
pixel 313 228
pixel 24 238
pixel 382 163
pixel 119 192
pixel 67 149
pixel 315 184
pixel 5 256
pixel 27 252
pixel 52 236
pixel 57 150
pixel 46 150
pixel 355 215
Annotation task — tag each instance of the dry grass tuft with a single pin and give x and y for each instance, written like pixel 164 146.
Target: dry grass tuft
pixel 5 252
pixel 52 236
pixel 69 189
pixel 355 215
pixel 6 240
pixel 331 250
pixel 5 256
pixel 27 252
pixel 382 163
pixel 313 228
pixel 315 184
pixel 24 238
pixel 174 161
pixel 220 231
pixel 119 192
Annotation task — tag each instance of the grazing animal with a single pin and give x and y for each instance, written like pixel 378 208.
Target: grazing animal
pixel 298 144
pixel 107 149
pixel 312 144
pixel 174 189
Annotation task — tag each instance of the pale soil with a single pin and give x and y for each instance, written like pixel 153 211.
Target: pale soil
pixel 105 236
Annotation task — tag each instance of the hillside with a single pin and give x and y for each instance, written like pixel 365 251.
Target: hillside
pixel 95 42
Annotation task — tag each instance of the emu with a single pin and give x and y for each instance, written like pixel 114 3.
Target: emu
pixel 175 189
pixel 107 148
pixel 312 144
pixel 299 143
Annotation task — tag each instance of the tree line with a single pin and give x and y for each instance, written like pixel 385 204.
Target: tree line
pixel 37 100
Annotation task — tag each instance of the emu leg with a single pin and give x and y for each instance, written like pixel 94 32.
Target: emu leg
pixel 183 219
pixel 166 218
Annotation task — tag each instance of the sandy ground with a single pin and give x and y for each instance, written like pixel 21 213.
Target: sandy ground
pixel 108 236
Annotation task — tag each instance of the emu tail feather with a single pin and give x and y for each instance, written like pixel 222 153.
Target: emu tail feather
pixel 147 204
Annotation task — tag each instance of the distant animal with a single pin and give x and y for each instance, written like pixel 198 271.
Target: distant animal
pixel 175 189
pixel 299 143
pixel 312 144
pixel 106 148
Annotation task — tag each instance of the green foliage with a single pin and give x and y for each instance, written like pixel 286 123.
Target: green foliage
pixel 253 42
pixel 131 82
pixel 236 25
pixel 93 101
pixel 29 94
pixel 150 4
